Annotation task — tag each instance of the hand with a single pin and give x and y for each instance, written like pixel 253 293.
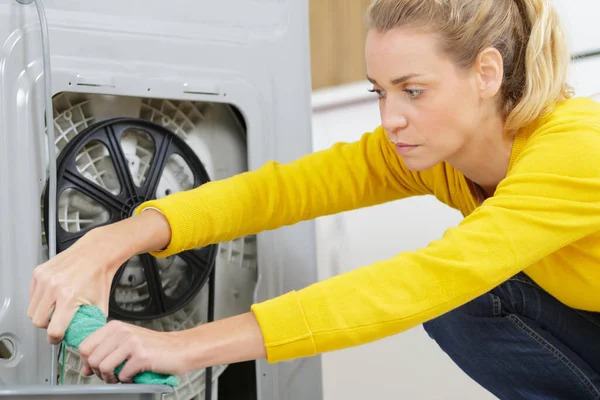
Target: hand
pixel 225 341
pixel 83 274
pixel 144 350
pixel 80 275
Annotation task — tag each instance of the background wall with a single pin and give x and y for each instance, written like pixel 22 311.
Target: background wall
pixel 408 365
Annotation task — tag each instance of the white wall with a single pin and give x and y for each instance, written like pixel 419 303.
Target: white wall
pixel 408 365
pixel 581 20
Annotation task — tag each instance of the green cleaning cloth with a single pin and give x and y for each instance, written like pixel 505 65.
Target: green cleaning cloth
pixel 89 319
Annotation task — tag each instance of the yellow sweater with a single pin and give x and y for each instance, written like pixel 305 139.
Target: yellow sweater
pixel 544 219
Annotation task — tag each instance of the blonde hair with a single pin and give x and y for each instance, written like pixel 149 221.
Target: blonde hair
pixel 527 33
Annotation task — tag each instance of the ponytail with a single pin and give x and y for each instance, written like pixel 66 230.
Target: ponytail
pixel 546 64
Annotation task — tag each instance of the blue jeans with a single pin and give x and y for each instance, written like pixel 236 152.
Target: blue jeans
pixel 519 342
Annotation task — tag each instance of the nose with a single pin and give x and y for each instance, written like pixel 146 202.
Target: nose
pixel 392 119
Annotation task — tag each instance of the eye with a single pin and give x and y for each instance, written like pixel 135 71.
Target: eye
pixel 413 93
pixel 380 93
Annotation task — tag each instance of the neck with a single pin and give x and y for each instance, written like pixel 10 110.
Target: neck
pixel 485 158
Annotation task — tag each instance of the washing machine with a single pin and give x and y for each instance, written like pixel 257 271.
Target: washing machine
pixel 147 98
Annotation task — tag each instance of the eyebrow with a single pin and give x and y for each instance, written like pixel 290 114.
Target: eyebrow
pixel 396 81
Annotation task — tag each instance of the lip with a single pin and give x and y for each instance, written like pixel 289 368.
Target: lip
pixel 403 148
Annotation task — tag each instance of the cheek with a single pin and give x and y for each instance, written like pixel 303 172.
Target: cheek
pixel 463 104
pixel 451 115
pixel 443 128
pixel 436 121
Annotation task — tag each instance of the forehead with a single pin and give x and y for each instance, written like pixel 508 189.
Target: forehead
pixel 403 51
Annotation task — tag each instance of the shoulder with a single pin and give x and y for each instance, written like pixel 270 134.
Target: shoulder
pixel 572 115
pixel 576 115
pixel 566 141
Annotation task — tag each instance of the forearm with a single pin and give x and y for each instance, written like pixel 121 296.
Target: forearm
pixel 142 233
pixel 227 341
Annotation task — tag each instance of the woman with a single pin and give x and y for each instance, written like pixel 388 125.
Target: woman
pixel 475 110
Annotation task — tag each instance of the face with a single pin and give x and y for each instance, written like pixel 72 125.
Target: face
pixel 429 107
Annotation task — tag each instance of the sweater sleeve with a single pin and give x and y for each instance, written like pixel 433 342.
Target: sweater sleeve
pixel 550 198
pixel 345 177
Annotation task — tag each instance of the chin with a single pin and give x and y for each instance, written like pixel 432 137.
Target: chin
pixel 418 164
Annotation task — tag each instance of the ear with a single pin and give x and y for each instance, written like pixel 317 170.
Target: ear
pixel 490 72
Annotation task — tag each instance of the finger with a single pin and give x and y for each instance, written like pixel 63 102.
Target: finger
pixel 63 314
pixel 97 373
pixel 32 287
pixel 112 361
pixel 43 311
pixel 99 355
pixel 89 345
pixel 86 371
pixel 36 293
pixel 131 368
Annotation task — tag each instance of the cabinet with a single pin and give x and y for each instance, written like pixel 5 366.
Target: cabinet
pixel 337 36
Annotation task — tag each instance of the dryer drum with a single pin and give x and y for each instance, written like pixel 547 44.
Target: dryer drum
pixel 104 173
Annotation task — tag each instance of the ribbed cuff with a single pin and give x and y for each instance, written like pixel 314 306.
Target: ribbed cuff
pixel 284 327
